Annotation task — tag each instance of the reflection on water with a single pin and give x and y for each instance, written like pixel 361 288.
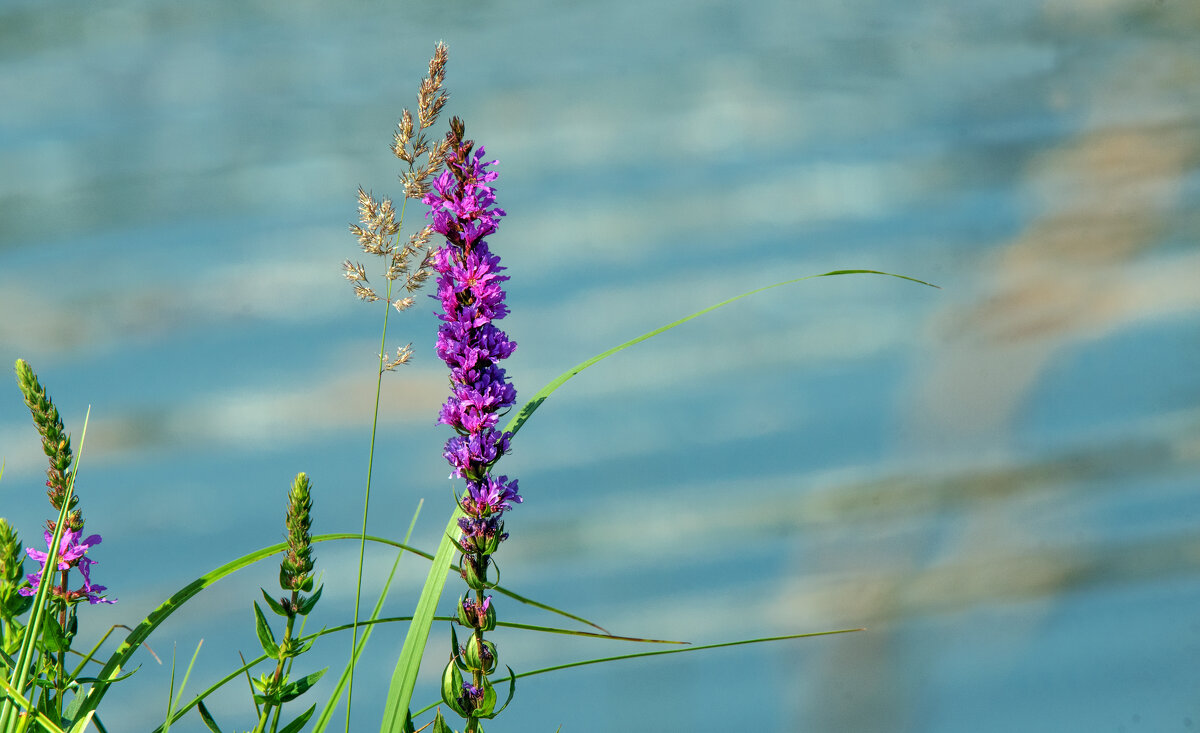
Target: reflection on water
pixel 996 479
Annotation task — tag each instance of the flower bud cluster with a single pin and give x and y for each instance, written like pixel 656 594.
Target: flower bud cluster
pixel 462 209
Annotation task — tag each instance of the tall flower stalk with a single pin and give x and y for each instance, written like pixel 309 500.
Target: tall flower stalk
pixel 462 209
pixel 54 622
pixel 273 689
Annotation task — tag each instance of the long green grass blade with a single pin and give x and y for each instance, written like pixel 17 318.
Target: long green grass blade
pixel 536 401
pixel 404 679
pixel 497 589
pixel 112 668
pixel 703 647
pixel 173 698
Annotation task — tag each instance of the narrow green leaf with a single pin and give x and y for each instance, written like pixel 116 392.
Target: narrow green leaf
pixel 208 719
pixel 405 677
pixel 275 605
pixel 293 690
pixel 600 660
pixel 310 603
pixel 173 702
pixel 536 401
pixel 265 636
pixel 499 589
pixel 112 668
pixel 512 690
pixel 298 724
pixel 700 648
pixel 454 649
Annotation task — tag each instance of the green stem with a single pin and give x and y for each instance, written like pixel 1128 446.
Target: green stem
pixel 277 677
pixel 362 547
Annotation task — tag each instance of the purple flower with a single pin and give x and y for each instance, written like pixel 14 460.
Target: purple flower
pixel 472 696
pixel 71 554
pixel 470 289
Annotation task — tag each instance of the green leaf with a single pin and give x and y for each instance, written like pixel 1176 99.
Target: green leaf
pixel 293 690
pixel 455 656
pixel 127 675
pixel 296 725
pixel 16 605
pixel 636 655
pixel 207 717
pixel 536 401
pixel 512 690
pixel 310 602
pixel 265 636
pixel 439 724
pixel 303 647
pixel 54 639
pixel 421 553
pixel 452 683
pixel 275 605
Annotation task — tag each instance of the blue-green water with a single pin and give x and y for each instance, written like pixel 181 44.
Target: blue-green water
pixel 996 478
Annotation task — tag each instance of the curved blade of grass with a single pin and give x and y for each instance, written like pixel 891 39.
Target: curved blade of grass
pixel 111 671
pixel 112 668
pixel 497 589
pixel 172 697
pixel 536 401
pixel 635 655
pixel 234 674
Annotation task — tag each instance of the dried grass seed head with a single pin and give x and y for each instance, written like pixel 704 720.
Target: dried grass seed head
pixel 403 354
pixel 431 98
pixel 354 271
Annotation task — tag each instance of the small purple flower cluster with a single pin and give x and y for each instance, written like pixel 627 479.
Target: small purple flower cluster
pixel 469 287
pixel 72 553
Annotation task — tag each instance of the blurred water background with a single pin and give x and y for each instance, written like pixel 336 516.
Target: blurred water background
pixel 998 479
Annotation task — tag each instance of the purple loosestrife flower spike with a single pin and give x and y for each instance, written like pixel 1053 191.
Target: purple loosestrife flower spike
pixel 462 208
pixel 470 287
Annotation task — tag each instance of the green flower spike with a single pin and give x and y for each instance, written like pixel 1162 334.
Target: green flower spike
pixel 55 442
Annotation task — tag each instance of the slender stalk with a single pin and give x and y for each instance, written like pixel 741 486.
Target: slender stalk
pixel 362 547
